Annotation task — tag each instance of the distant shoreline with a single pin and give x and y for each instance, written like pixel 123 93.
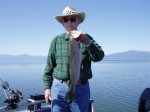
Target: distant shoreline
pixel 93 62
pixel 131 55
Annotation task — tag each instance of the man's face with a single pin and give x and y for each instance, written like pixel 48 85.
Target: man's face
pixel 70 23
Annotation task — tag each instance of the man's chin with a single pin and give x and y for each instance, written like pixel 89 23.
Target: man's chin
pixel 71 29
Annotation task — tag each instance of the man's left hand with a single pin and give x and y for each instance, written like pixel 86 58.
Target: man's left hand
pixel 84 39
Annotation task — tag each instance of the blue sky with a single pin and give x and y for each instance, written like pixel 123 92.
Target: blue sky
pixel 28 26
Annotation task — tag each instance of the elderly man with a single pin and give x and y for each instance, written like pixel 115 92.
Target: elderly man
pixel 57 76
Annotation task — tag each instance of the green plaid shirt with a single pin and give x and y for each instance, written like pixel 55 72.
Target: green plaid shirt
pixel 58 59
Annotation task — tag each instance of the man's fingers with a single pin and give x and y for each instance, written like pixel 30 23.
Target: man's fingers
pixel 50 98
pixel 48 95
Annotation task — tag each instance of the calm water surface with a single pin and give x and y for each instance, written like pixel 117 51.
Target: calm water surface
pixel 115 86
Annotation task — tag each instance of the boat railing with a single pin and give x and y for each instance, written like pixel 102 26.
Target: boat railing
pixel 36 103
pixel 40 105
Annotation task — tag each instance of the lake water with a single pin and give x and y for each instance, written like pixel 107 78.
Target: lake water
pixel 115 86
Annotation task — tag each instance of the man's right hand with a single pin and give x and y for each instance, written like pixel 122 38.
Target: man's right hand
pixel 48 97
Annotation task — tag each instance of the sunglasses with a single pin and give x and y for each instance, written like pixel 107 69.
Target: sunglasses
pixel 73 19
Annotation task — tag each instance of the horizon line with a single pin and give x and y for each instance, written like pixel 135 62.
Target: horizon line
pixel 104 51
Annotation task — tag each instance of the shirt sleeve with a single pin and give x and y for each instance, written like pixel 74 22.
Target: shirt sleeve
pixel 51 63
pixel 95 51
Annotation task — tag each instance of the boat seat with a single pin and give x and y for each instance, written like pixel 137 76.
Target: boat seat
pixel 144 101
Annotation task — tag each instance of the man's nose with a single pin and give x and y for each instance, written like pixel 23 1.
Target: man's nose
pixel 69 21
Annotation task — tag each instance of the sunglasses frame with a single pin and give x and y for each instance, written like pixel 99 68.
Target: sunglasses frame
pixel 72 19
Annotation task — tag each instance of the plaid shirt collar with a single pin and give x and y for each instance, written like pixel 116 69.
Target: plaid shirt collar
pixel 67 36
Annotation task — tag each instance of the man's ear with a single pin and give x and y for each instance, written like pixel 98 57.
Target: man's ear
pixel 78 21
pixel 62 22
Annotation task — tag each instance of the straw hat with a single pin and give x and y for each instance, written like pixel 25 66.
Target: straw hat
pixel 70 11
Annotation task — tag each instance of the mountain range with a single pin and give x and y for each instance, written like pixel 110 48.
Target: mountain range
pixel 131 55
pixel 21 58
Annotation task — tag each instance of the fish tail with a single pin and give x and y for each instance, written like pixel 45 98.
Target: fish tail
pixel 70 96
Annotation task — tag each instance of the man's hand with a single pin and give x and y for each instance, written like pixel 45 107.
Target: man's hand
pixel 84 39
pixel 80 36
pixel 48 97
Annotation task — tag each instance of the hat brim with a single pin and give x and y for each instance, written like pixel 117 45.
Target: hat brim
pixel 81 17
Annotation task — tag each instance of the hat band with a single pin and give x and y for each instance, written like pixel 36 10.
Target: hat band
pixel 69 13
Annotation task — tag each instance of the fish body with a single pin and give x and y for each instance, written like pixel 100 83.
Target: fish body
pixel 75 63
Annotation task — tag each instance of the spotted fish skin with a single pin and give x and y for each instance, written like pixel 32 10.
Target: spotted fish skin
pixel 75 63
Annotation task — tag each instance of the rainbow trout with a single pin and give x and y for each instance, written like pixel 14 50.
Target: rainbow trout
pixel 75 63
